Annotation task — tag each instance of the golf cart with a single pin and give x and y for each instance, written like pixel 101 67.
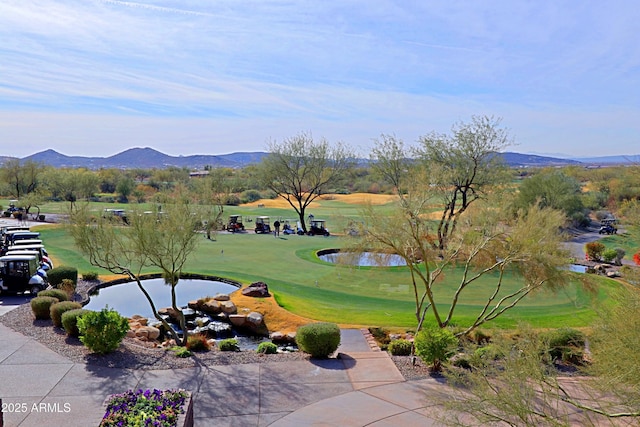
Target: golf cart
pixel 317 228
pixel 262 225
pixel 38 250
pixel 235 223
pixel 287 228
pixel 21 273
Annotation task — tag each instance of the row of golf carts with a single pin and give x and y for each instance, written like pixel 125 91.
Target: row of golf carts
pixel 23 261
pixel 317 227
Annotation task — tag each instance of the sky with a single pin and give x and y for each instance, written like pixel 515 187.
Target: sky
pixel 94 78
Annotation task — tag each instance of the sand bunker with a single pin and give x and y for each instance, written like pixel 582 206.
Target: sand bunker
pixel 355 198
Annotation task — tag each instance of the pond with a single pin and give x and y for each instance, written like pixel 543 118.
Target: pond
pixel 127 299
pixel 361 259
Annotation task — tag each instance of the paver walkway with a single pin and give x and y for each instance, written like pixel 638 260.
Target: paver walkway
pixel 39 387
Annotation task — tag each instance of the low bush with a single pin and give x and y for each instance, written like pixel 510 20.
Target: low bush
pixel 565 344
pixel 69 321
pixel 57 309
pixel 198 342
pixel 90 276
pixel 56 275
pixel 400 347
pixel 267 348
pixel 435 345
pixel 41 305
pixel 58 294
pixel 182 352
pixel 229 344
pixel 609 255
pixel 318 339
pixel 102 331
pixel 68 287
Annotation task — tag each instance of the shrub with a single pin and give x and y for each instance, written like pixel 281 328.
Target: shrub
pixel 181 352
pixel 267 348
pixel 41 305
pixel 68 287
pixel 55 293
pixel 56 275
pixel 249 196
pixel 565 344
pixel 70 321
pixel 620 253
pixel 90 276
pixel 57 309
pixel 198 342
pixel 102 331
pixel 229 344
pixel 609 255
pixel 435 345
pixel 318 339
pixel 594 250
pixel 381 335
pixel 400 347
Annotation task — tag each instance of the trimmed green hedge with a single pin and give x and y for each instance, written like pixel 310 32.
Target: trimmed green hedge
pixel 70 321
pixel 56 275
pixel 58 294
pixel 57 310
pixel 41 305
pixel 318 339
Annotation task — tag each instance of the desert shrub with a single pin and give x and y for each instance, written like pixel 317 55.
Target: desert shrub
pixel 594 250
pixel 565 344
pixel 56 275
pixel 69 287
pixel 228 344
pixel 249 196
pixel 435 345
pixel 381 335
pixel 400 347
pixel 620 253
pixel 609 255
pixel 41 305
pixel 181 352
pixel 57 309
pixel 318 339
pixel 480 337
pixel 267 348
pixel 102 331
pixel 198 342
pixel 90 276
pixel 70 321
pixel 58 294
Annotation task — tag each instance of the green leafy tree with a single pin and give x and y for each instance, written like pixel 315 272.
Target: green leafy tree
pixel 551 189
pixel 300 170
pixel 163 242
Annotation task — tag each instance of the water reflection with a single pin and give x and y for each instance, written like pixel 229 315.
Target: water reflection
pixel 362 259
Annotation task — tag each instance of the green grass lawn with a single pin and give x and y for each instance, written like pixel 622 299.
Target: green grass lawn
pixel 372 296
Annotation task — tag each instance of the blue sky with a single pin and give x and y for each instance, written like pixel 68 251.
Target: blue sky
pixel 93 78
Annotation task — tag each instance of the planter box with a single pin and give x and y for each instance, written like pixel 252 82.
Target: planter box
pixel 185 419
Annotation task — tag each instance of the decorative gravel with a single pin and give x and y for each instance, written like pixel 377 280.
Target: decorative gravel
pixel 133 355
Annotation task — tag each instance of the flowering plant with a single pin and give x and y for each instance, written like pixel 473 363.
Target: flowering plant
pixel 142 408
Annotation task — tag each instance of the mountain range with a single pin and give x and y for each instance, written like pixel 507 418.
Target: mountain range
pixel 149 158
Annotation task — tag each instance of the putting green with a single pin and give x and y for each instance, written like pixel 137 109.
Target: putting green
pixel 369 296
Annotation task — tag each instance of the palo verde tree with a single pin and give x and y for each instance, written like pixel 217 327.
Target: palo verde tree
pixel 524 387
pixel 488 246
pixel 300 170
pixel 461 166
pixel 163 242
pixel 23 180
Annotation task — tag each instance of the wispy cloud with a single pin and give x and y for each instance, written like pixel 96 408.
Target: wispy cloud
pixel 346 70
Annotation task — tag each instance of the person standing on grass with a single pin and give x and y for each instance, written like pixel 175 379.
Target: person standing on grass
pixel 276 228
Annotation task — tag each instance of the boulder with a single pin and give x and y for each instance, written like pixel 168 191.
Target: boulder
pixel 211 307
pixel 222 297
pixel 255 319
pixel 228 307
pixel 238 320
pixel 256 289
